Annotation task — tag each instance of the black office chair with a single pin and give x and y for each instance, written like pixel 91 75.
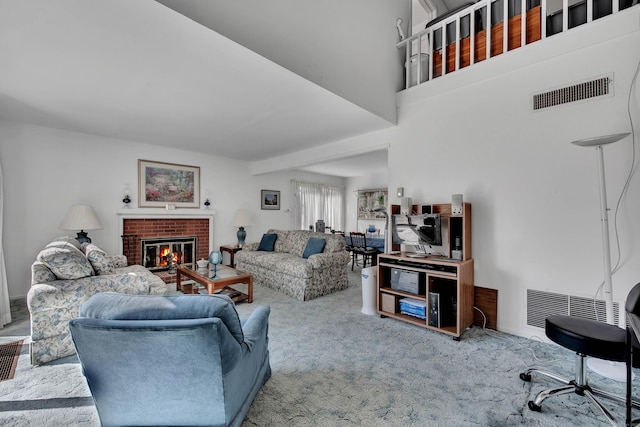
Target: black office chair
pixel 588 338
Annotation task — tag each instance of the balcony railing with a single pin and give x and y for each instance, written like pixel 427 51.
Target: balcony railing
pixel 447 45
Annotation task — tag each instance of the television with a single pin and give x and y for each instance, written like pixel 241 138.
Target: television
pixel 419 230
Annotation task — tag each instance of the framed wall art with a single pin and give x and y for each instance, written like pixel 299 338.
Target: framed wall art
pixel 270 200
pixel 168 185
pixel 368 200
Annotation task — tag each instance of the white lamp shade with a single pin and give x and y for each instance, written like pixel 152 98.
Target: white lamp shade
pixel 241 218
pixel 601 140
pixel 81 218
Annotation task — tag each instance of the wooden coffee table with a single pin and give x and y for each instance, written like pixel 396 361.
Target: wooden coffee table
pixel 225 277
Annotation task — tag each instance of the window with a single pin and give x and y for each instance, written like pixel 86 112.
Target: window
pixel 318 201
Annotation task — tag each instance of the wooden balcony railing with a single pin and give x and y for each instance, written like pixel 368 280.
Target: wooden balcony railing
pixel 467 39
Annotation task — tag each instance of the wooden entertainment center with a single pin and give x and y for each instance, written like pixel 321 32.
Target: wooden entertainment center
pixel 438 278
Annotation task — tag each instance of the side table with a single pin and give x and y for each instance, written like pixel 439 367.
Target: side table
pixel 232 251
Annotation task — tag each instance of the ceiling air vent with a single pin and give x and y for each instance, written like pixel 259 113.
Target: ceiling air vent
pixel 576 92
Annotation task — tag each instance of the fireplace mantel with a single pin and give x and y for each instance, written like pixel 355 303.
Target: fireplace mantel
pixel 123 214
pixel 165 213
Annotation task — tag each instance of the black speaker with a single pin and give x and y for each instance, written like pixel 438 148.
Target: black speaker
pixel 434 310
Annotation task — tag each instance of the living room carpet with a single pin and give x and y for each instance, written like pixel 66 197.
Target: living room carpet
pixel 334 366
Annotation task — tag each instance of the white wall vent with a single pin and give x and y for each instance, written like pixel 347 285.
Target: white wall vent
pixel 541 304
pixel 577 92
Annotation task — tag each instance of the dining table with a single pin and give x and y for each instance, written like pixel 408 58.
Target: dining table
pixel 375 241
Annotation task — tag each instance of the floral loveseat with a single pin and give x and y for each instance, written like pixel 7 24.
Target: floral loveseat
pixel 65 275
pixel 284 268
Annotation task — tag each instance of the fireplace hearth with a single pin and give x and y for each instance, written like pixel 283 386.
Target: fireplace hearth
pixel 162 253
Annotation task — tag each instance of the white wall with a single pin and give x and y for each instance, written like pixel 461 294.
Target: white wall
pixel 321 41
pixel 535 196
pixel 535 199
pixel 48 170
pixel 282 181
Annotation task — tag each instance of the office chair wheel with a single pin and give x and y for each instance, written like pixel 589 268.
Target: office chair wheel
pixel 525 377
pixel 534 407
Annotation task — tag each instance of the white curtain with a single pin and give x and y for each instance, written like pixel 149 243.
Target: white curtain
pixel 5 308
pixel 318 201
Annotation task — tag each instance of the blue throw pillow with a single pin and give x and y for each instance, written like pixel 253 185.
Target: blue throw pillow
pixel 268 242
pixel 315 245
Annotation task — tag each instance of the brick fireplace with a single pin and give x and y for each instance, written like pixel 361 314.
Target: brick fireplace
pixel 149 225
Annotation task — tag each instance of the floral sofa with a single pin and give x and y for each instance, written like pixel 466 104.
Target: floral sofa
pixel 64 275
pixel 286 270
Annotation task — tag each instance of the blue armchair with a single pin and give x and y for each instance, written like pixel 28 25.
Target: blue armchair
pixel 171 360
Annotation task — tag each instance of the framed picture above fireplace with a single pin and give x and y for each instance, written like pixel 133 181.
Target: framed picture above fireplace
pixel 168 185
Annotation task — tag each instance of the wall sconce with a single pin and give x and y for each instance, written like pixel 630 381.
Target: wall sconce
pixel 207 202
pixel 126 199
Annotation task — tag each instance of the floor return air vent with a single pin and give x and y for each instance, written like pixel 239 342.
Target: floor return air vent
pixel 541 304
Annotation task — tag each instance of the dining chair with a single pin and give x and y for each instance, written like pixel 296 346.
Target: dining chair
pixel 359 248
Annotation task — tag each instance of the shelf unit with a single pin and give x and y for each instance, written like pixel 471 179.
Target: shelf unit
pixel 458 225
pixel 453 281
pixel 453 226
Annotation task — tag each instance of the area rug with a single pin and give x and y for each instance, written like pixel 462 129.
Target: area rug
pixel 9 354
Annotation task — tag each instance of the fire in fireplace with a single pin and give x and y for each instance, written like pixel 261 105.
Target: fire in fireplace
pixel 158 253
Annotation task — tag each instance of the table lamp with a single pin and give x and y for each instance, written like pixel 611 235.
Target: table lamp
pixel 241 219
pixel 81 218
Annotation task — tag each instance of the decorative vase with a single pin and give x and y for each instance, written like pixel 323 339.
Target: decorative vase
pixel 241 235
pixel 215 258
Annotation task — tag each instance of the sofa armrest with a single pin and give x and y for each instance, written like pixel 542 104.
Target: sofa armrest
pixel 61 292
pixel 324 260
pixel 253 246
pixel 119 261
pixel 40 273
pixel 53 304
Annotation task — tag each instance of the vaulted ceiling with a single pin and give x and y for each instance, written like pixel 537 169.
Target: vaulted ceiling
pixel 137 70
